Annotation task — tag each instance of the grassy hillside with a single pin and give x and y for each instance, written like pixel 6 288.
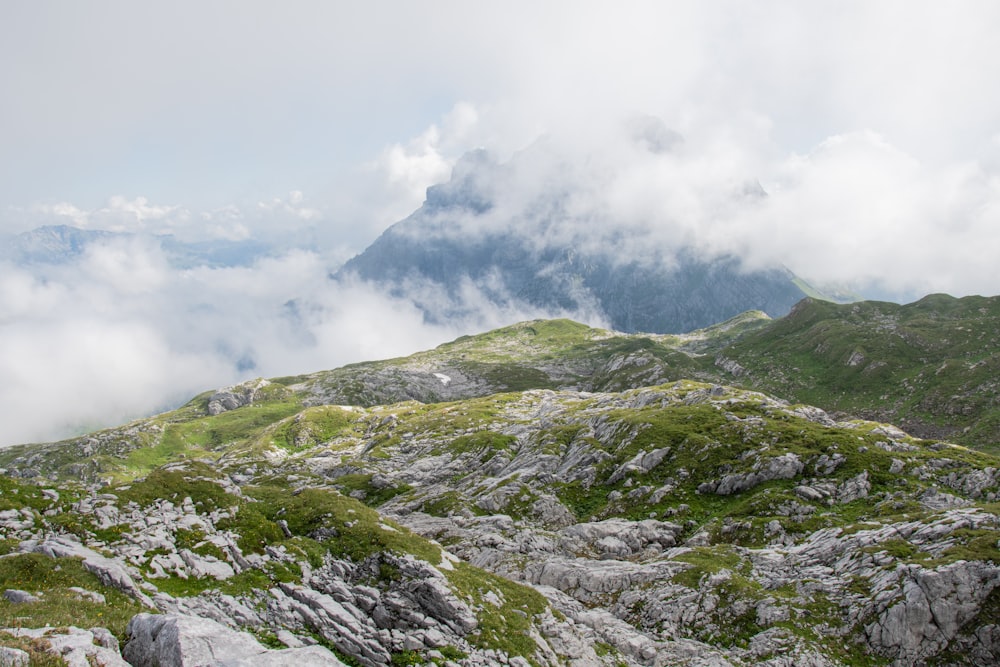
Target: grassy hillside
pixel 932 366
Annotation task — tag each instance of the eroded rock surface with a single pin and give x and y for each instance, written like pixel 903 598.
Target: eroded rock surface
pixel 173 640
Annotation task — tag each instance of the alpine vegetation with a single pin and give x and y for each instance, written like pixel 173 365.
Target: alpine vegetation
pixel 543 494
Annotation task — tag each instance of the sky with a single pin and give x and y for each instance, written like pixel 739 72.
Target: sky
pixel 874 128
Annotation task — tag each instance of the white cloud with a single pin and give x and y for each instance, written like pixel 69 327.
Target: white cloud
pixel 64 212
pixel 860 210
pixel 120 333
pixel 291 206
pixel 131 266
pixel 225 222
pixel 855 209
pixel 276 217
pixel 90 372
pixel 119 214
pixel 407 169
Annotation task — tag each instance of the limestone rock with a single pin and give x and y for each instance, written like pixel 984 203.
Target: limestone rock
pixel 786 466
pixel 640 464
pixel 934 605
pixel 110 571
pixel 78 648
pixel 335 622
pixel 84 594
pixel 13 657
pixel 237 396
pixel 172 640
pixel 620 538
pixel 20 597
pixel 206 566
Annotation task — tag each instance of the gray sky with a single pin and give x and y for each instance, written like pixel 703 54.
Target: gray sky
pixel 208 104
pixel 873 126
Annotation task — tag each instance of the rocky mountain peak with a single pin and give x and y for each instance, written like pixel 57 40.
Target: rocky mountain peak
pixel 519 242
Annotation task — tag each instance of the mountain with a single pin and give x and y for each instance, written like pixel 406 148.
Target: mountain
pixel 930 366
pixel 546 493
pixel 54 244
pixel 59 244
pixel 476 230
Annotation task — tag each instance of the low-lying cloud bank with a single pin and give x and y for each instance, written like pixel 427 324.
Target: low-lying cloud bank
pixel 122 329
pixel 120 332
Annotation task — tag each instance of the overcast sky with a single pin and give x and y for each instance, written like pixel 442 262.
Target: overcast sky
pixel 873 126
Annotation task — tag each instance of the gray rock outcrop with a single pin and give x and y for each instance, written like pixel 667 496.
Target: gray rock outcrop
pixel 173 640
pixel 111 572
pixel 786 466
pixel 237 396
pixel 13 657
pixel 75 646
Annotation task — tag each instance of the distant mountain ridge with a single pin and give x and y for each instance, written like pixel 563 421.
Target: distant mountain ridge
pixel 57 244
pixel 458 238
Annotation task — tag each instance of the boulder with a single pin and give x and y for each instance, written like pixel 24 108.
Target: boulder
pixel 174 640
pixel 77 648
pixel 786 466
pixel 854 488
pixel 13 657
pixel 111 572
pixel 640 464
pixel 19 597
pixel 237 396
pixel 932 607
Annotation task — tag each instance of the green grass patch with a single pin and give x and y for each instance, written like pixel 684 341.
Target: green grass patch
pixel 311 427
pixel 584 501
pixel 349 528
pixel 374 496
pixel 705 560
pixel 244 583
pixel 15 495
pixel 509 376
pixel 972 544
pixel 448 503
pixel 255 530
pixel 195 482
pixel 234 426
pixel 505 627
pixel 58 606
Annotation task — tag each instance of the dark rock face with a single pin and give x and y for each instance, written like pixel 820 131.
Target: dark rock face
pixel 539 254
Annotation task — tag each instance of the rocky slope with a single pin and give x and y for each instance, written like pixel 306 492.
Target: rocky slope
pixel 683 523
